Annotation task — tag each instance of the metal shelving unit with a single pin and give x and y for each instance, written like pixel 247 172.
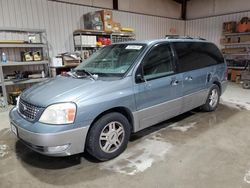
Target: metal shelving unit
pixel 20 63
pixel 115 37
pixel 235 60
pixel 236 34
pixel 18 45
pixel 237 68
pixel 237 44
pixel 12 41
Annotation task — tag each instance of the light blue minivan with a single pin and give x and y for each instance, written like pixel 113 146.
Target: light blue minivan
pixel 121 89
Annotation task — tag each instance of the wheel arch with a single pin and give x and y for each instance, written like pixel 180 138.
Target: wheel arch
pixel 120 109
pixel 216 82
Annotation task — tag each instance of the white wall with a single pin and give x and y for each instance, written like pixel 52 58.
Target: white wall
pixel 166 8
pixel 211 28
pixel 61 19
pixel 96 3
pixel 204 8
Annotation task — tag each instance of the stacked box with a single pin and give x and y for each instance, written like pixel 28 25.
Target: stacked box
pixel 93 21
pixel 107 19
pixel 108 26
pixel 116 27
pixel 233 50
pixel 106 15
pixel 229 27
pixel 245 38
pixel 85 40
pixel 56 62
pixel 235 74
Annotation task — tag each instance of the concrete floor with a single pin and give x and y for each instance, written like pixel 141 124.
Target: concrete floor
pixel 195 149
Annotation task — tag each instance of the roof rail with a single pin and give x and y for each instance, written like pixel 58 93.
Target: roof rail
pixel 182 37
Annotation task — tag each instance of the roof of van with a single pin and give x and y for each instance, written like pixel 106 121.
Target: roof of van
pixel 150 42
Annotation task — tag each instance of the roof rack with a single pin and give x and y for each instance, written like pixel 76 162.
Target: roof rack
pixel 182 37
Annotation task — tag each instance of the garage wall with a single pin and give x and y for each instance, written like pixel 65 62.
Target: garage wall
pixel 61 19
pixel 165 8
pixel 198 8
pixel 211 28
pixel 96 3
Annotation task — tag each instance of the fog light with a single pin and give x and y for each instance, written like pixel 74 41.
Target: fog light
pixel 56 149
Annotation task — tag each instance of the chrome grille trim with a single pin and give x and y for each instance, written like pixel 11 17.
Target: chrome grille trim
pixel 28 111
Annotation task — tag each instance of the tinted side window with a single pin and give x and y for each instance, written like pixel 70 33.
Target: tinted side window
pixel 196 55
pixel 158 62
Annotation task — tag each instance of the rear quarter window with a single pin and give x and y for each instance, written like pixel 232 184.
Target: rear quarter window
pixel 196 55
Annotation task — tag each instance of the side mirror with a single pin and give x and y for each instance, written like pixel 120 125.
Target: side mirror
pixel 139 78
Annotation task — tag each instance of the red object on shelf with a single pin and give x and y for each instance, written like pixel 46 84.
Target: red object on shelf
pixel 243 25
pixel 104 41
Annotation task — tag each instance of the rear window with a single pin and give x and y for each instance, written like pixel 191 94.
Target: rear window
pixel 196 55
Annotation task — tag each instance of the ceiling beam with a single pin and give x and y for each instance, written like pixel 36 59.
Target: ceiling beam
pixel 183 8
pixel 115 4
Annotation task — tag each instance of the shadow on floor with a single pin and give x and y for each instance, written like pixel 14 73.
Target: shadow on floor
pixel 82 167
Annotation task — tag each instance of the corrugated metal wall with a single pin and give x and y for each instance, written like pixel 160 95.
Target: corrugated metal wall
pixel 211 28
pixel 61 19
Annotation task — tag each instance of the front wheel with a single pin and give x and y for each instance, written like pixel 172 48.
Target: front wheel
pixel 108 137
pixel 213 99
pixel 246 84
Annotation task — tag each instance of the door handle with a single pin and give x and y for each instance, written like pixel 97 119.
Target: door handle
pixel 174 82
pixel 189 78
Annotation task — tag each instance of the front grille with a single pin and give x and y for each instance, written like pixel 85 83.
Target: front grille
pixel 28 111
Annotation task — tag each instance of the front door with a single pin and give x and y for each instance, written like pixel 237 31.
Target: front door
pixel 158 92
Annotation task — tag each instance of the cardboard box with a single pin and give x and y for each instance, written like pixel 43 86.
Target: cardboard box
pixel 93 21
pixel 233 50
pixel 235 74
pixel 245 38
pixel 116 27
pixel 231 39
pixel 223 41
pixel 85 40
pixel 234 39
pixel 69 60
pixel 108 26
pixel 56 62
pixel 94 26
pixel 229 27
pixel 106 15
pixel 92 17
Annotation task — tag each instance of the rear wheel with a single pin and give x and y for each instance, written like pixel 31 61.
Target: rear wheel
pixel 213 99
pixel 108 137
pixel 246 84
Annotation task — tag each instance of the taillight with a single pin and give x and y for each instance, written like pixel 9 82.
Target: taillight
pixel 226 74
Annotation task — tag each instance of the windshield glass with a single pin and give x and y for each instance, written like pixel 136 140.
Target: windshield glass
pixel 113 60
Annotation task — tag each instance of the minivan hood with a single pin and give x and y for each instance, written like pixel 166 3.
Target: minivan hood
pixel 62 89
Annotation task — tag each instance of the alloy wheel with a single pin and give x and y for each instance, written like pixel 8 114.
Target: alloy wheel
pixel 213 98
pixel 111 137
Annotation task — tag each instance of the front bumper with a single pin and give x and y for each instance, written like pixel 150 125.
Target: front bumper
pixel 40 142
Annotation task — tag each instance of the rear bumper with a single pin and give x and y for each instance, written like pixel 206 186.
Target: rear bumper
pixel 73 140
pixel 223 86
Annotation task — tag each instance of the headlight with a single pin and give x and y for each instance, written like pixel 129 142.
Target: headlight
pixel 62 113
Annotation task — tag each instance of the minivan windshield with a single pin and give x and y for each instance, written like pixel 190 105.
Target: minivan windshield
pixel 113 60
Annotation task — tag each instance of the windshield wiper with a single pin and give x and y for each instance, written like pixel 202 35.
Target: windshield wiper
pixel 78 74
pixel 72 74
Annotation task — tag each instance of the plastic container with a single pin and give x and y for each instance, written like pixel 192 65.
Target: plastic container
pixel 4 58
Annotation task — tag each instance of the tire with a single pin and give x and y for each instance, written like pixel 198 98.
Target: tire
pixel 246 84
pixel 213 99
pixel 108 137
